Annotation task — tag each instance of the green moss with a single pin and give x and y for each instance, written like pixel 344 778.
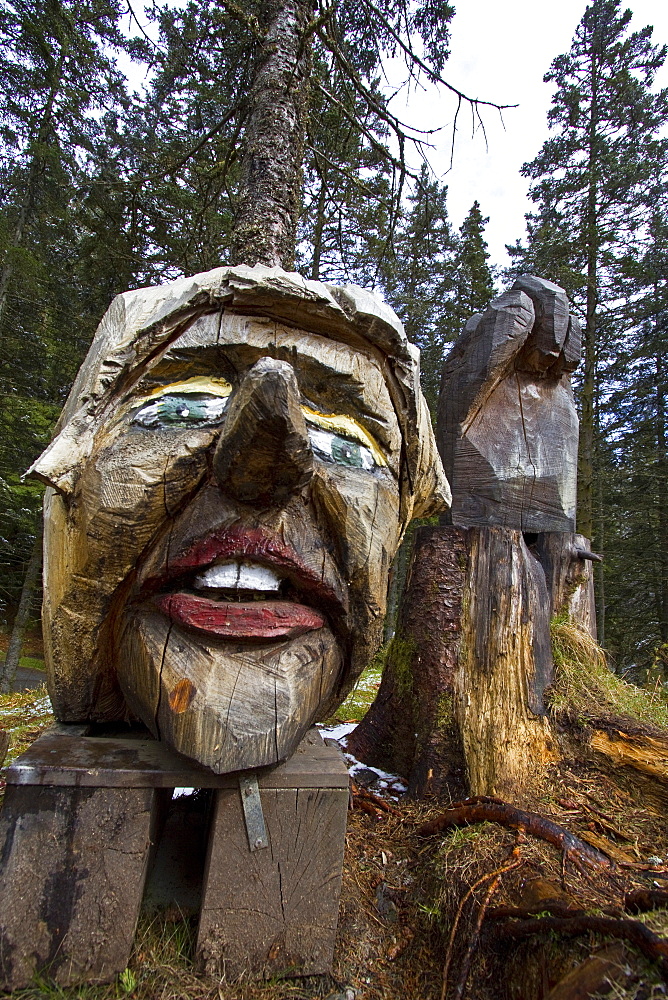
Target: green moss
pixel 400 657
pixel 444 712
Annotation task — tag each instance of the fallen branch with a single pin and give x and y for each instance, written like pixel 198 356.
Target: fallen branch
pixel 483 810
pixel 650 944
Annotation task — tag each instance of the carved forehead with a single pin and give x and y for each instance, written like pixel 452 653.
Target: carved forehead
pixel 141 326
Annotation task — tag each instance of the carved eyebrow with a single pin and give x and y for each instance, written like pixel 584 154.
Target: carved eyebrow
pixel 342 424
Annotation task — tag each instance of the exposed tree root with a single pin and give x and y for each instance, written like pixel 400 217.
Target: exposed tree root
pixel 650 944
pixel 644 900
pixel 369 803
pixel 483 809
pixel 465 966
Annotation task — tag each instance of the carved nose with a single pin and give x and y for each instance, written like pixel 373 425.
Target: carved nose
pixel 263 455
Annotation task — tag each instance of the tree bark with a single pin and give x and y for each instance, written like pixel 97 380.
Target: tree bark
pixel 9 667
pixel 265 229
pixel 662 469
pixel 585 520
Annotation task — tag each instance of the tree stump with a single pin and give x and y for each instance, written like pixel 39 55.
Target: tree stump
pixel 461 706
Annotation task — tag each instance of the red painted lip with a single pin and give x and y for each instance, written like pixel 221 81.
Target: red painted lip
pixel 259 620
pixel 253 620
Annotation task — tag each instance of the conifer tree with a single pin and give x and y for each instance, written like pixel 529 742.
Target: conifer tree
pixel 474 282
pixel 419 281
pixel 590 182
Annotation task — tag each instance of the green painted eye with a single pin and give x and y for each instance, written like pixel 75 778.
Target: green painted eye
pixel 346 452
pixel 330 447
pixel 189 410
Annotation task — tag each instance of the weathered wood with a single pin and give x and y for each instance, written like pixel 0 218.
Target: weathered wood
pixel 505 666
pixel 73 865
pixel 263 443
pixel 507 424
pixel 569 576
pixel 461 703
pixel 131 762
pixel 274 911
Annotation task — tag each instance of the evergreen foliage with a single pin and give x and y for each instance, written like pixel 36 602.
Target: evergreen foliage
pixel 436 279
pixel 597 182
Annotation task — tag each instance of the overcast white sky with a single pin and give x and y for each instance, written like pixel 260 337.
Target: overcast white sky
pixel 500 51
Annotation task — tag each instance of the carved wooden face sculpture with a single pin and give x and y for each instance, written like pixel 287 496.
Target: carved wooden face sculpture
pixel 233 474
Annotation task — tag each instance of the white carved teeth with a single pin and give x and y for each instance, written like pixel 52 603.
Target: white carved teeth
pixel 239 576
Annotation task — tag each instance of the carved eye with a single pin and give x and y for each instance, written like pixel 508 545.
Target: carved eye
pixel 331 447
pixel 186 410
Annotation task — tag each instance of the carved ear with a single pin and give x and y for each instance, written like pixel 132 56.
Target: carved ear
pixel 59 466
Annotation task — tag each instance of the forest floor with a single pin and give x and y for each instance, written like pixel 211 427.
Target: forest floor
pixel 412 905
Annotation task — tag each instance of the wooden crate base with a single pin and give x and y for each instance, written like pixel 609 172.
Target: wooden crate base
pixel 80 816
pixel 73 863
pixel 273 911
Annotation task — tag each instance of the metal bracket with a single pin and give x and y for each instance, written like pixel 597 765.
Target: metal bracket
pixel 253 815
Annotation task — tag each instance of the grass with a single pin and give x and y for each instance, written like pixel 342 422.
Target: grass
pixel 585 685
pixel 23 716
pixel 360 699
pixel 32 662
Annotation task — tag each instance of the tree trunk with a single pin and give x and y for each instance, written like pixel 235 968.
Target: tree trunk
pixel 585 520
pixel 662 469
pixel 9 667
pixel 265 229
pixel 460 709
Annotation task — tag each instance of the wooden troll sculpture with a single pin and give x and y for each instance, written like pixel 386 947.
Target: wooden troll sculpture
pixel 231 477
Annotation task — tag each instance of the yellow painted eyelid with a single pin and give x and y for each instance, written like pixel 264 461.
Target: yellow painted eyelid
pixel 338 422
pixel 199 383
pixel 345 425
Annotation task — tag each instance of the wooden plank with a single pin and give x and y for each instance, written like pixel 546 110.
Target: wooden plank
pixel 107 762
pixel 74 863
pixel 273 911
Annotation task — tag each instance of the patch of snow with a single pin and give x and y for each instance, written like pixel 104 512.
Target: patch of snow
pixel 384 782
pixel 337 732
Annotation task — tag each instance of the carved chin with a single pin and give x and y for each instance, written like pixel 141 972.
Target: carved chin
pixel 228 705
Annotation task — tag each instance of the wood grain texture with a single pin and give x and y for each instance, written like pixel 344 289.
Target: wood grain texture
pixel 505 666
pixel 507 424
pixel 133 761
pixel 273 911
pixel 146 498
pixel 569 576
pixel 72 868
pixel 460 709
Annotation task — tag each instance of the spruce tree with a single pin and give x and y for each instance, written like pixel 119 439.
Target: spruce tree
pixel 419 281
pixel 474 282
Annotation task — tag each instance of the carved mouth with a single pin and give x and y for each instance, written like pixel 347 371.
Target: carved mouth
pixel 244 586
